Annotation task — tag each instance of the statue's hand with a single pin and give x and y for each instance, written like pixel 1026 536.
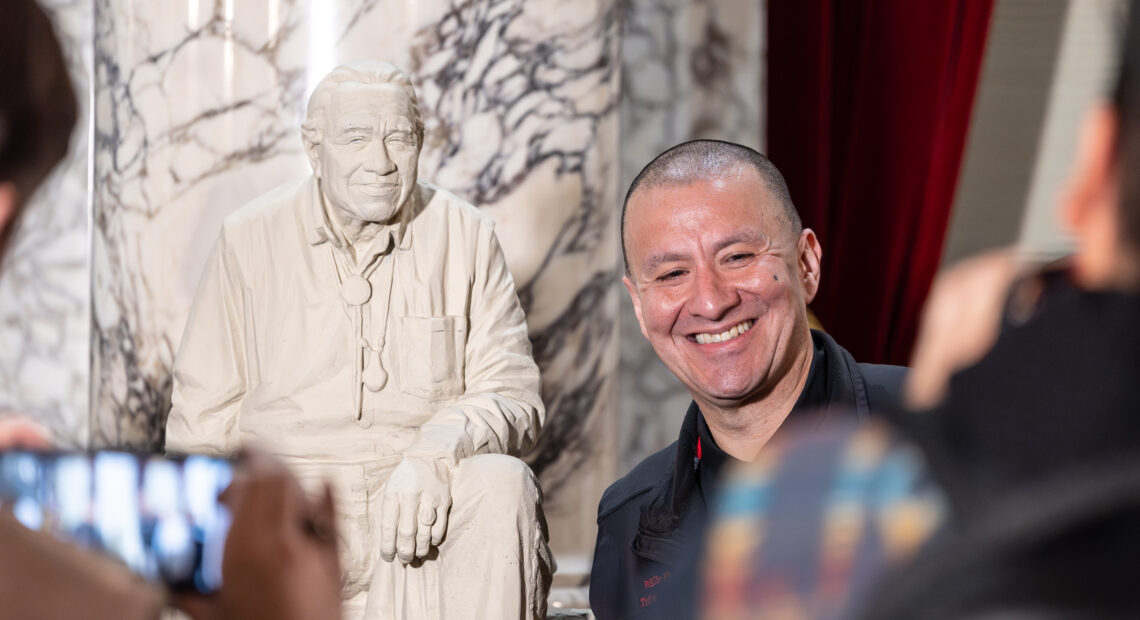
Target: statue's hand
pixel 414 509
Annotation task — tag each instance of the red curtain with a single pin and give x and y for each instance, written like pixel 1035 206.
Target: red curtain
pixel 868 107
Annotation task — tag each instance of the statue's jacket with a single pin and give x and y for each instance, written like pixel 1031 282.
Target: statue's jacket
pixel 652 522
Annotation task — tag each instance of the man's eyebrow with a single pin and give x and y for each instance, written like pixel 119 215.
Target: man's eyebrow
pixel 355 127
pixel 742 236
pixel 656 260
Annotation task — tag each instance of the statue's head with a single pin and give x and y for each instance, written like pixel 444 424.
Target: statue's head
pixel 363 135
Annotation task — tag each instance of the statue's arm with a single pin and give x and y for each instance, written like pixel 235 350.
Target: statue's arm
pixel 210 368
pixel 501 410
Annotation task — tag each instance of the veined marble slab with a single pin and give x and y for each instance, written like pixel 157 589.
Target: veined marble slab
pixel 198 106
pixel 45 279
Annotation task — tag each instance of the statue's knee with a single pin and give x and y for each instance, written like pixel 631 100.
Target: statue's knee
pixel 502 479
pixel 496 495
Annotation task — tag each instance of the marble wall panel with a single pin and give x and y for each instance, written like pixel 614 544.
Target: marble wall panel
pixel 198 105
pixel 690 69
pixel 45 280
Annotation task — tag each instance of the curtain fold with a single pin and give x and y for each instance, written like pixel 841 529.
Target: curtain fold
pixel 868 109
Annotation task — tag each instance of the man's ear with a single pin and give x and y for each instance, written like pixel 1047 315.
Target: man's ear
pixel 636 299
pixel 810 253
pixel 312 143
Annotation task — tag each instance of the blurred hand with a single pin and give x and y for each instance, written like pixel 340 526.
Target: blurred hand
pixel 44 578
pixel 21 432
pixel 415 503
pixel 280 560
pixel 959 325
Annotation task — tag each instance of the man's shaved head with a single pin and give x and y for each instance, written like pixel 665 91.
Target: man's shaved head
pixel 699 160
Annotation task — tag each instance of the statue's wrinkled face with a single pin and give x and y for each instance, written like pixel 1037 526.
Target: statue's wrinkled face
pixel 366 159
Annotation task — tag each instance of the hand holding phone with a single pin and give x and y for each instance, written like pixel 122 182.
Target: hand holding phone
pixel 281 558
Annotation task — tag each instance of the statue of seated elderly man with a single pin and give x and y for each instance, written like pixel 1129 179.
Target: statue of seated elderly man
pixel 363 325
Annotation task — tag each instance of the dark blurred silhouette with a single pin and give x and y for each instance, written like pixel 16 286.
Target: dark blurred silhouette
pixel 1026 391
pixel 37 107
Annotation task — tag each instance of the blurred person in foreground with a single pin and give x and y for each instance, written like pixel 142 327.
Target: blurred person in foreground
pixel 1027 405
pixel 280 560
pixel 1024 401
pixel 720 270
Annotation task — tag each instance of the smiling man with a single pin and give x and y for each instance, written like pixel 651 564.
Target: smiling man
pixel 363 325
pixel 720 271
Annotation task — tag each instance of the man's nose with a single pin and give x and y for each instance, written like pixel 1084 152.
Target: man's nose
pixel 713 295
pixel 377 159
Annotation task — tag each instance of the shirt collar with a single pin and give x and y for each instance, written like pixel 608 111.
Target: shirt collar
pixel 319 229
pixel 815 394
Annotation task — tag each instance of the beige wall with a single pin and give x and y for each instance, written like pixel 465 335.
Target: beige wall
pixel 1046 62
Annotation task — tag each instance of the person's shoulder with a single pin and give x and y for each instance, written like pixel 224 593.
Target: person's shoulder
pixel 884 384
pixel 655 470
pixel 444 203
pixel 269 210
pixel 884 374
pixel 272 202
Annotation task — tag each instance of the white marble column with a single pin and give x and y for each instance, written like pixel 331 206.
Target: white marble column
pixel 691 69
pixel 45 282
pixel 198 105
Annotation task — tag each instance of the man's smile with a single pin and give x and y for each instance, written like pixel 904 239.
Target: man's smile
pixel 376 189
pixel 733 332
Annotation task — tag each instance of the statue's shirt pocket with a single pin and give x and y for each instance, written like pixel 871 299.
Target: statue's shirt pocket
pixel 432 351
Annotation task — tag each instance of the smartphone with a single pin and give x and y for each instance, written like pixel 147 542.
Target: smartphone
pixel 158 515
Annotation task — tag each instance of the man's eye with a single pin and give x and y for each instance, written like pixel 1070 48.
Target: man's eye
pixel 738 256
pixel 670 275
pixel 357 140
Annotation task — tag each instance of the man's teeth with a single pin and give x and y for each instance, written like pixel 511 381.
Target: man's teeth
pixel 733 332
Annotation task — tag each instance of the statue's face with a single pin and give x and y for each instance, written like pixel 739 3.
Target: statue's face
pixel 366 159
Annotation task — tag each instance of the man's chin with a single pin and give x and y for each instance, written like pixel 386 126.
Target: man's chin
pixel 385 214
pixel 745 388
pixel 729 397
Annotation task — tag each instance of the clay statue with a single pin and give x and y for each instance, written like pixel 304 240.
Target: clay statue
pixel 363 325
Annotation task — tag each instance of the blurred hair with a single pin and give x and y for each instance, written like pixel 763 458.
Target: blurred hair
pixel 1126 100
pixel 365 72
pixel 697 160
pixel 38 108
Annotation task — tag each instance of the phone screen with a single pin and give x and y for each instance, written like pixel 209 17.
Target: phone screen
pixel 159 515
